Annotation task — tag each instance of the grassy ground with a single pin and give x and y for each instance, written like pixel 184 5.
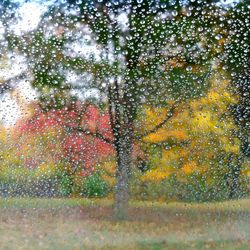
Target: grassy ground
pixel 88 224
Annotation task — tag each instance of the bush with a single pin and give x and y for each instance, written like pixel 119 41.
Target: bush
pixel 28 187
pixel 38 182
pixel 49 181
pixel 194 188
pixel 94 186
pixel 65 185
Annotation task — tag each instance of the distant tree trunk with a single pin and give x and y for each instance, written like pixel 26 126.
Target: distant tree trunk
pixel 234 188
pixel 242 117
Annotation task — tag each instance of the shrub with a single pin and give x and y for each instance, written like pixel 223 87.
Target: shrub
pixel 65 185
pixel 194 188
pixel 39 182
pixel 94 186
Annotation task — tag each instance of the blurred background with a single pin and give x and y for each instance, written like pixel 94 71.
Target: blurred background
pixel 177 70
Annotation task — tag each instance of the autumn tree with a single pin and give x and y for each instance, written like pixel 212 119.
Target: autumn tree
pixel 238 52
pixel 142 50
pixel 235 60
pixel 147 49
pixel 80 150
pixel 198 147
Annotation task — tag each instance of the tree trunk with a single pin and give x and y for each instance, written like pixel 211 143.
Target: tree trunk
pixel 121 118
pixel 235 182
pixel 124 159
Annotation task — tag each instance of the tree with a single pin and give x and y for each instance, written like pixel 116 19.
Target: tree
pixel 143 49
pixel 198 147
pixel 79 148
pixel 236 51
pixel 141 56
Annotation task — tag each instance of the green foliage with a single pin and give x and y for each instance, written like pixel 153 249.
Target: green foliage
pixel 195 188
pixel 20 181
pixel 94 186
pixel 66 185
pixel 44 181
pixel 65 181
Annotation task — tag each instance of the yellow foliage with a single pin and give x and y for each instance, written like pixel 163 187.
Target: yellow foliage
pixel 153 116
pixel 189 167
pixel 174 153
pixel 108 169
pixel 155 175
pixel 45 169
pixel 202 124
pixel 163 135
pixel 2 134
pixel 203 121
pixel 230 146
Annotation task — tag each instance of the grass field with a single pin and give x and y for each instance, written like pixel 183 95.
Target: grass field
pixel 88 224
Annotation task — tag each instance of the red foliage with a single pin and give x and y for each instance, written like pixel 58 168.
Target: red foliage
pixel 79 148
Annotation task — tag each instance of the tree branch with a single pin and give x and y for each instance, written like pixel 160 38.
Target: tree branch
pixel 82 113
pixel 6 85
pixel 87 131
pixel 110 106
pixel 96 134
pixel 161 124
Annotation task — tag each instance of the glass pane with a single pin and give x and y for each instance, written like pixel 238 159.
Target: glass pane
pixel 124 124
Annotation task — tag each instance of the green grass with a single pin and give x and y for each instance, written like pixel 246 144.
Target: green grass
pixel 88 224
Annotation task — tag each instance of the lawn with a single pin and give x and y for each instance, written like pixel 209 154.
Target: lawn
pixel 88 224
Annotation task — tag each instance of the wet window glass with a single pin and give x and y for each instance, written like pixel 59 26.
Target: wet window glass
pixel 124 124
